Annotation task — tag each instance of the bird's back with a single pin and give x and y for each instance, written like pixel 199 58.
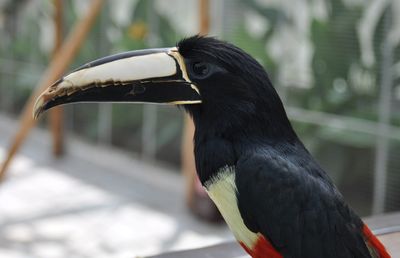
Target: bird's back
pixel 279 203
pixel 283 194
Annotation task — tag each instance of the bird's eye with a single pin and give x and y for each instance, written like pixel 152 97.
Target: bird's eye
pixel 200 70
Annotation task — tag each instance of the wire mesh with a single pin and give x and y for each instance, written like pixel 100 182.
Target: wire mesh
pixel 329 60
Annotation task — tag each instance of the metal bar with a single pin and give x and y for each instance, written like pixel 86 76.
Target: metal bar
pixel 384 109
pixel 217 13
pixel 104 121
pixel 5 63
pixel 11 83
pixel 341 122
pixel 386 230
pixel 57 114
pixel 149 142
pixel 149 127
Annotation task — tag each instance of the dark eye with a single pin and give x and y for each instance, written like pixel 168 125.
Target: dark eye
pixel 200 70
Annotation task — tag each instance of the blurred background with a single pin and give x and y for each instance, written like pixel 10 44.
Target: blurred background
pixel 335 64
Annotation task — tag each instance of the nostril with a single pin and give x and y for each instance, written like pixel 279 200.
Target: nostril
pixel 138 89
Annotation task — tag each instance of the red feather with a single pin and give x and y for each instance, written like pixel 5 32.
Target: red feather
pixel 374 243
pixel 262 249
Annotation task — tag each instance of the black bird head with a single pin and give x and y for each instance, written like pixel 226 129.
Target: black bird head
pixel 237 94
pixel 222 87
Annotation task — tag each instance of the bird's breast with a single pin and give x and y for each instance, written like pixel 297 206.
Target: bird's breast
pixel 222 190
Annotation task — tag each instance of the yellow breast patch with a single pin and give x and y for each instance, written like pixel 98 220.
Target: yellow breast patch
pixel 222 190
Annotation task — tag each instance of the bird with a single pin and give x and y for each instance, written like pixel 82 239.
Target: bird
pixel 274 196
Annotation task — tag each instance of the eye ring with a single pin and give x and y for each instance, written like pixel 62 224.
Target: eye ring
pixel 200 70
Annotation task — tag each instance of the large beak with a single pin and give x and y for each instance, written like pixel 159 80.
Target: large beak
pixel 152 76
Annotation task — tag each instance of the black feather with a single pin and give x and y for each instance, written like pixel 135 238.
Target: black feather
pixel 282 191
pixel 295 205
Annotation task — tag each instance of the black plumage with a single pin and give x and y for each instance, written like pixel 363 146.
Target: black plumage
pixel 274 196
pixel 281 190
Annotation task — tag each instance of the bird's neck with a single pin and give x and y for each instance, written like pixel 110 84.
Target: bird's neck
pixel 222 136
pixel 242 121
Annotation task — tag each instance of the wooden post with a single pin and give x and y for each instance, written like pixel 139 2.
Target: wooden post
pixel 56 114
pixel 204 7
pixel 53 72
pixel 188 162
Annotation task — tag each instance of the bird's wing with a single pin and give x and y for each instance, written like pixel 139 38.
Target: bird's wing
pixel 296 207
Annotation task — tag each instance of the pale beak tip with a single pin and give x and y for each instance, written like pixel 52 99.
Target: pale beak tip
pixel 38 108
pixel 40 105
